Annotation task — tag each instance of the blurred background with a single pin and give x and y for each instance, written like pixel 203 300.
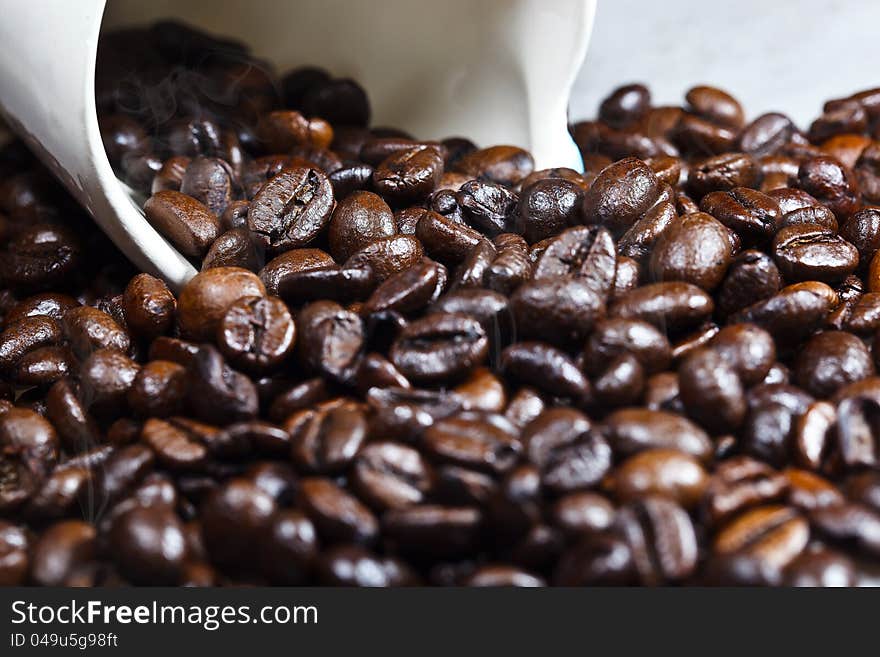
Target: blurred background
pixel 782 55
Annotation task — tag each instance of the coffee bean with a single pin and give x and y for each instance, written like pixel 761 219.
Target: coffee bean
pixel 792 312
pixel 234 518
pixel 766 134
pixel 831 183
pixel 715 105
pixel 664 472
pixel 291 209
pixel 205 299
pixel 633 430
pixel 159 389
pixel 559 310
pixel 149 306
pixel 435 531
pixel 358 220
pixel 439 347
pixel 548 206
pixel 256 333
pixel 326 441
pixel 503 165
pixel 61 550
pixel 620 194
pixel 661 537
pixel 774 534
pixel 338 516
pixel 695 250
pixel 149 545
pixel 234 248
pixel 473 440
pixel 831 360
pixel 330 339
pixel 187 223
pixel 670 306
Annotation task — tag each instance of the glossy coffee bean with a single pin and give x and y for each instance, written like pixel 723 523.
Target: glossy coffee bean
pixel 695 250
pixel 358 219
pixel 205 299
pixel 439 347
pixel 149 306
pixel 186 222
pixel 256 334
pixel 621 194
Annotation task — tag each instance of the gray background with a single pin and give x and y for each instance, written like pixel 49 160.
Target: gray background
pixel 782 55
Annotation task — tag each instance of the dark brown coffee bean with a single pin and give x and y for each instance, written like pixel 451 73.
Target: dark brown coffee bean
pixel 813 253
pixel 234 216
pixel 234 248
pixel 715 105
pixel 76 427
pixel 791 313
pixel 331 338
pixel 661 537
pixel 568 451
pixel 391 475
pixel 862 230
pixel 386 256
pixel 559 310
pixel 149 306
pixel 235 517
pixel 749 213
pixel 62 548
pixel 820 568
pixel 291 209
pixel 187 223
pixel 149 545
pixel 773 534
pixel 105 378
pixel 633 430
pixel 867 173
pixel 45 304
pixel 409 175
pixel 434 531
pixel 338 516
pixel 548 368
pixel 216 391
pixel 473 440
pixel 625 105
pixel 670 306
pixel 639 240
pixel 831 360
pixel 503 165
pixel 326 442
pixel 358 220
pixel 752 276
pixel 488 207
pixel 548 206
pixel 620 194
pixel 831 183
pixel 256 334
pixel 26 335
pixel 205 299
pixel 439 347
pixel 664 472
pixel 749 350
pixel 44 366
pixel 293 262
pixel 738 484
pixel 209 181
pixel 766 134
pixel 351 565
pixel 723 173
pixel 177 445
pixel 711 391
pixel 159 389
pixel 808 491
pixel 850 525
pixel 14 560
pixel 587 254
pixel 694 249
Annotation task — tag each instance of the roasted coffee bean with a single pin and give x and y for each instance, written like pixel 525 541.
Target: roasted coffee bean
pixel 433 531
pixel 639 240
pixel 149 306
pixel 234 518
pixel 473 440
pixel 613 337
pixel 159 389
pixel 559 310
pixel 752 276
pixel 812 253
pixel 633 430
pixel 708 381
pixel 766 134
pixel 149 545
pixel 625 105
pixel 326 441
pixel 186 222
pixel 409 175
pixel 234 248
pixel 205 299
pixel 620 194
pixel 352 565
pixel 293 262
pixel 503 165
pixel 26 335
pixel 439 347
pixel 209 181
pixel 831 360
pixel 749 213
pixel 488 207
pixel 862 230
pixel 569 452
pixel 217 392
pixel 598 559
pixel 774 534
pixel 670 306
pixel 546 367
pixel 291 209
pixel 820 568
pixel 549 206
pixel 61 550
pixel 694 249
pixel 700 137
pixel 40 256
pixel 331 338
pixel 14 560
pixel 715 105
pixel 391 475
pixel 338 516
pixel 791 313
pixel 358 220
pixel 76 427
pixel 445 239
pixel 44 366
pixel 587 254
pixel 256 334
pixel 867 173
pixel 858 421
pixel 661 538
pixel 723 173
pixel 386 256
pixel 749 350
pixel 105 378
pixel 809 491
pixel 45 304
pixel 831 183
pixel 850 525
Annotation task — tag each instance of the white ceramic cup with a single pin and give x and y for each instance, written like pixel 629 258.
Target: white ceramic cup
pixel 496 71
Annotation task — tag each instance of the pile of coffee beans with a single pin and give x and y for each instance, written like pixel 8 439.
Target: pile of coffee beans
pixel 423 362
